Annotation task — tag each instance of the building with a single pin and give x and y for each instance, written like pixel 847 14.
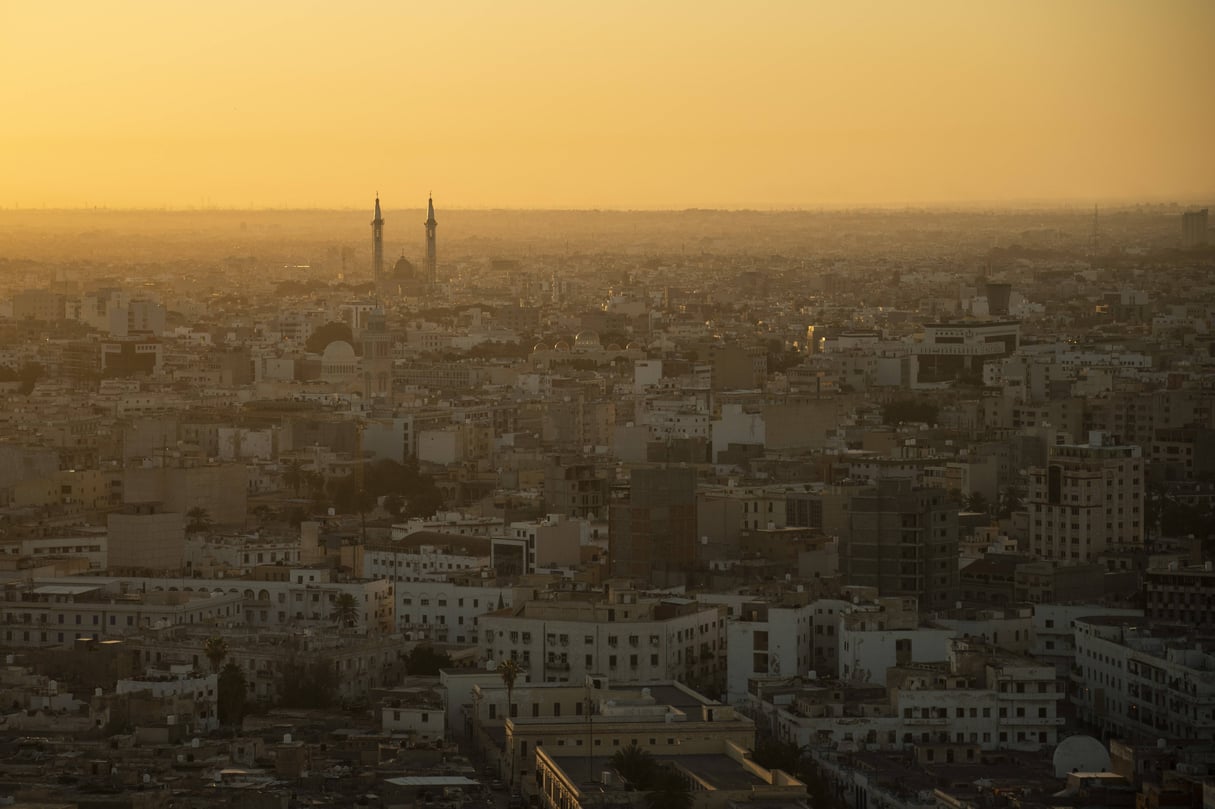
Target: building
pixel 598 716
pixel 575 490
pixel 1143 681
pixel 566 636
pixel 1181 594
pixel 1087 501
pixel 767 641
pixel 903 541
pixel 653 536
pixel 1194 228
pixel 951 349
pixel 143 536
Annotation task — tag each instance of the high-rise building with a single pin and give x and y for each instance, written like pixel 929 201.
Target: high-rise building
pixel 431 255
pixel 903 540
pixel 1087 501
pixel 653 535
pixel 377 356
pixel 377 243
pixel 1194 228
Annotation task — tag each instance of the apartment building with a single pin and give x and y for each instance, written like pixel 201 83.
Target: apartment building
pixel 1143 681
pixel 621 634
pixel 1086 501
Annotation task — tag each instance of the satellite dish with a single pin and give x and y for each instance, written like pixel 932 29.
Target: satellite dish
pixel 1080 754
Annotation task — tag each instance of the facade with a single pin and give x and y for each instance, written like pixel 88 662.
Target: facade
pixel 1142 682
pixel 1181 594
pixel 624 636
pixel 903 541
pixel 1194 228
pixel 654 534
pixel 50 614
pixel 767 641
pixel 144 537
pixel 1087 501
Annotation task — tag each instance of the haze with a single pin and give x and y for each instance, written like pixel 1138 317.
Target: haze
pixel 624 105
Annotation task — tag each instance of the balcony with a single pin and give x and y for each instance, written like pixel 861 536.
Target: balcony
pixel 927 720
pixel 557 665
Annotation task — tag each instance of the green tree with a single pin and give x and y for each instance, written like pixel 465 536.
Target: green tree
pixel 216 649
pixel 635 765
pixel 509 670
pixel 329 333
pixel 346 610
pixel 425 659
pixel 668 790
pixel 977 502
pixel 230 695
pixel 293 475
pixel 199 520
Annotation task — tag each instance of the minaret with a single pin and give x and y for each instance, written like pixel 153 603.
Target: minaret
pixel 431 258
pixel 377 238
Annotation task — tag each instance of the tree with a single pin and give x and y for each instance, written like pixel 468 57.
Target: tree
pixel 216 649
pixel 346 610
pixel 509 670
pixel 976 502
pixel 230 697
pixel 331 332
pixel 393 504
pixel 307 685
pixel 293 475
pixel 668 790
pixel 635 765
pixel 425 659
pixel 199 520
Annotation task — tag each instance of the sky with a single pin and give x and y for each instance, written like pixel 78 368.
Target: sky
pixel 622 104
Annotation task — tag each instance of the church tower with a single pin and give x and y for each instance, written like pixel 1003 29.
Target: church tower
pixel 431 258
pixel 377 238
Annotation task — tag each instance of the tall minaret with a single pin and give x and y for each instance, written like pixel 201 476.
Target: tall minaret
pixel 377 238
pixel 431 258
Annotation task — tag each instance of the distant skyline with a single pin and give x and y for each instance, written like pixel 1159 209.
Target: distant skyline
pixel 542 104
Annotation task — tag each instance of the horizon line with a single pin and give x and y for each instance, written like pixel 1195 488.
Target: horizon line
pixel 1009 205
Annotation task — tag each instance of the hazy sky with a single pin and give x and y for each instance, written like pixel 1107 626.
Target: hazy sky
pixel 571 103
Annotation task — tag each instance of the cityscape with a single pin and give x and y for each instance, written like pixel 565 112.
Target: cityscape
pixel 386 491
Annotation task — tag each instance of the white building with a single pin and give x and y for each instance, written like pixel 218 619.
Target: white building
pixel 1143 682
pixel 1087 500
pixel 622 635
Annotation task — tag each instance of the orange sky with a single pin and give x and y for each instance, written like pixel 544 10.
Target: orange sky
pixel 573 103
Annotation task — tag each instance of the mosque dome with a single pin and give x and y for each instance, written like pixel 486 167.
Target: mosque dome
pixel 613 347
pixel 586 339
pixel 403 269
pixel 633 347
pixel 538 347
pixel 338 351
pixel 562 346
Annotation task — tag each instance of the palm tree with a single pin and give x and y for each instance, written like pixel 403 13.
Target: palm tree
pixel 635 765
pixel 216 649
pixel 509 670
pixel 346 610
pixel 199 520
pixel 293 475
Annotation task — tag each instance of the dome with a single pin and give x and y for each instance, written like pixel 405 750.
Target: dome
pixel 633 347
pixel 403 269
pixel 562 346
pixel 338 351
pixel 538 347
pixel 586 339
pixel 613 347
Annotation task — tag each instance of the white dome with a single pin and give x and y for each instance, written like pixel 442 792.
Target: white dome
pixel 338 351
